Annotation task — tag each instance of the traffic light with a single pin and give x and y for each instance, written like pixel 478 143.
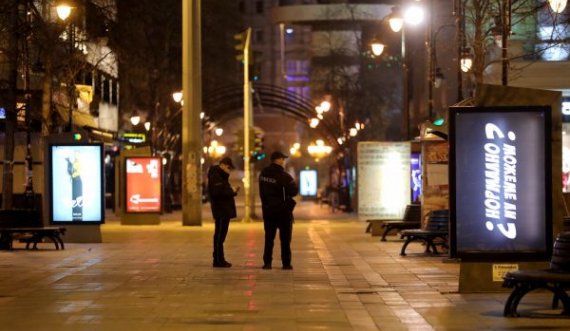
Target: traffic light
pixel 257 156
pixel 242 44
pixel 255 142
pixel 258 141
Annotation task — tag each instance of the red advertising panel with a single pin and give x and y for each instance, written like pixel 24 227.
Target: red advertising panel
pixel 144 184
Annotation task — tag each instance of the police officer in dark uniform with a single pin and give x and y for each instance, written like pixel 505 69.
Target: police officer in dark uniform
pixel 277 189
pixel 223 207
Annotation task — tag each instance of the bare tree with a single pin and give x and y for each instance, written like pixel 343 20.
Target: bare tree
pixel 488 22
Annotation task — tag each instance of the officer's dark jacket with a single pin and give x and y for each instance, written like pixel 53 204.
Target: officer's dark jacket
pixel 221 194
pixel 275 186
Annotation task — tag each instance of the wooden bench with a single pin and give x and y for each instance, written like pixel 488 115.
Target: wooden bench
pixel 26 225
pixel 435 233
pixel 555 279
pixel 412 219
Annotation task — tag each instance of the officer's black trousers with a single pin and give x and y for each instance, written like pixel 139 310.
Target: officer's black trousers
pixel 220 233
pixel 271 224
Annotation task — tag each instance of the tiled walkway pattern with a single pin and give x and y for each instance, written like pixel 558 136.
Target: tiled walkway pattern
pixel 160 278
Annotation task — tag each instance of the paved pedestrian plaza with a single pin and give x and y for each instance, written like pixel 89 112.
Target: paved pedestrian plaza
pixel 161 278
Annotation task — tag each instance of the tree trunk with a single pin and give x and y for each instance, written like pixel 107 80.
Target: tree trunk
pixel 46 97
pixel 8 175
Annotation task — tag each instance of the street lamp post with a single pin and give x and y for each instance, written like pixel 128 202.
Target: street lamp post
pixel 191 122
pixel 435 75
pixel 64 12
pixel 413 15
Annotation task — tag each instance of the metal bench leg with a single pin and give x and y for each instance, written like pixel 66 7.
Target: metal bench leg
pixel 368 228
pixel 560 294
pixel 433 246
pixel 54 240
pixel 386 230
pixel 409 239
pixel 58 238
pixel 510 306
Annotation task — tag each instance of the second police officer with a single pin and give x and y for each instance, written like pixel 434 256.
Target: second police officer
pixel 277 189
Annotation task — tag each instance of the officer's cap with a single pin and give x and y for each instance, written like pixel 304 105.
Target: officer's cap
pixel 278 155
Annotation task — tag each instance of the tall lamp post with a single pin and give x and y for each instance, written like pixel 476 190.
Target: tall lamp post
pixel 413 15
pixel 64 12
pixel 191 122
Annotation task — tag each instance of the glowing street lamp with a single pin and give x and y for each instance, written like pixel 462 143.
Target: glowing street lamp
pixel 63 11
pixel 325 106
pixel 216 150
pixel 377 47
pixel 314 122
pixel 135 119
pixel 396 20
pixel 414 15
pixel 352 132
pixel 177 96
pixel 557 5
pixel 466 61
pixel 319 149
pixel 295 150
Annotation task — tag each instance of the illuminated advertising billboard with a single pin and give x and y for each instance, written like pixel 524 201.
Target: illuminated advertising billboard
pixel 76 183
pixel 308 183
pixel 500 176
pixel 143 184
pixel 384 187
pixel 416 176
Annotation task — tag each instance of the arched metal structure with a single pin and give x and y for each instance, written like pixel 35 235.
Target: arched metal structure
pixel 226 103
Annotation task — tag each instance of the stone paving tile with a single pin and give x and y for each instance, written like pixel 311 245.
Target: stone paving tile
pixel 160 278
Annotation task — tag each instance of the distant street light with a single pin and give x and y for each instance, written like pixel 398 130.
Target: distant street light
pixel 557 5
pixel 353 132
pixel 177 96
pixel 377 47
pixel 319 149
pixel 396 20
pixel 135 119
pixel 325 106
pixel 466 61
pixel 314 122
pixel 63 11
pixel 414 15
pixel 219 131
pixel 216 150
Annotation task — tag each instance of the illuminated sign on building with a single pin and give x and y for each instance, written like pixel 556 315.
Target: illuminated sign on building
pixel 143 184
pixel 308 183
pixel 76 183
pixel 383 179
pixel 500 195
pixel 133 138
pixel 416 176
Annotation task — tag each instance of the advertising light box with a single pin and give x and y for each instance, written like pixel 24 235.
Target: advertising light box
pixel 76 183
pixel 416 176
pixel 143 184
pixel 384 187
pixel 500 176
pixel 308 183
